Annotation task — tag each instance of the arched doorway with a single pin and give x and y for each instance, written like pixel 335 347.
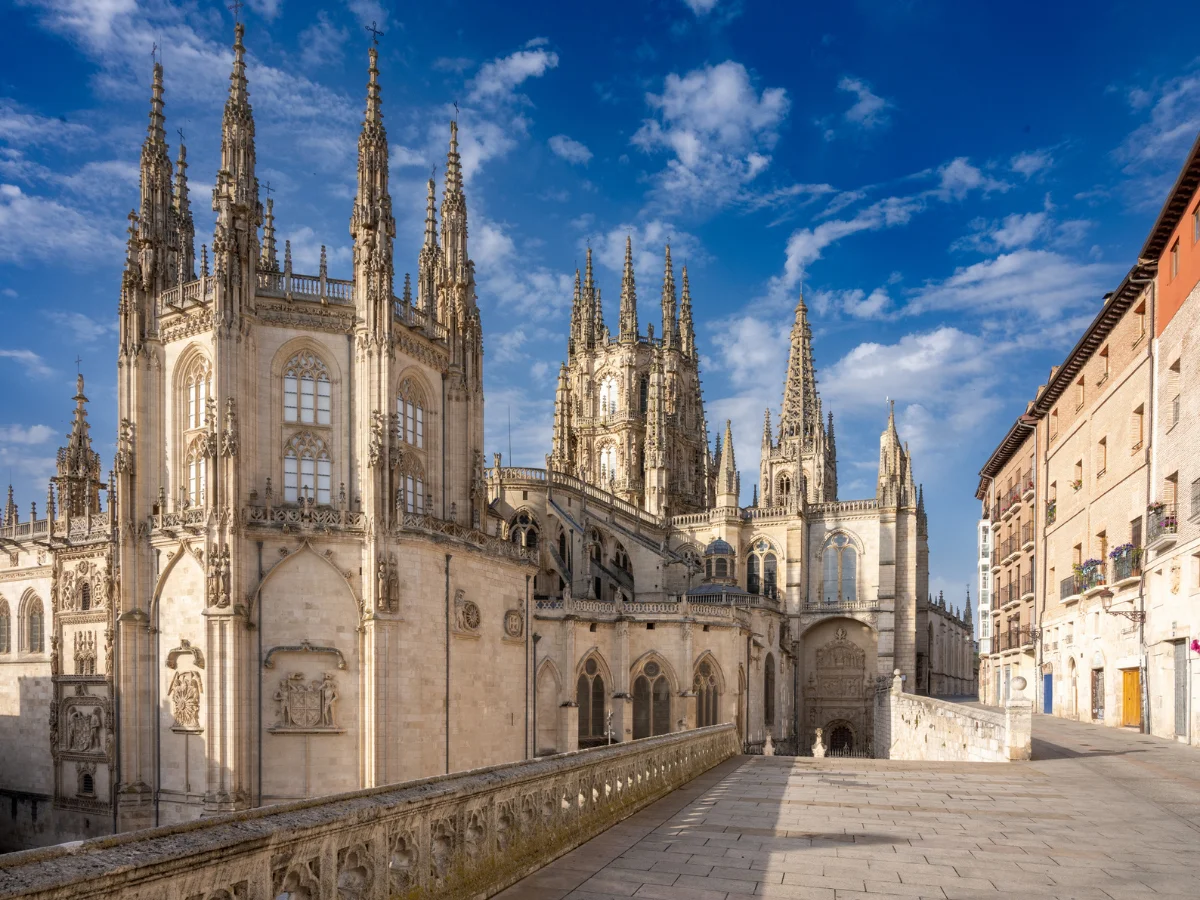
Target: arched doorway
pixel 839 739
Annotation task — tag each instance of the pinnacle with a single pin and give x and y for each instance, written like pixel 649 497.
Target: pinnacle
pixel 373 118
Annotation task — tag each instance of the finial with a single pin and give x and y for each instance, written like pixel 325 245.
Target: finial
pixel 236 8
pixel 324 273
pixel 376 34
pixel 204 260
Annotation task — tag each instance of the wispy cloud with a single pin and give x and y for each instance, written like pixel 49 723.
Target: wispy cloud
pixel 1032 163
pixel 869 112
pixel 323 42
pixel 571 150
pixel 81 329
pixel 25 220
pixel 33 363
pixel 499 78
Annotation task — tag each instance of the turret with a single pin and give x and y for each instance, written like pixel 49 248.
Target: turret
pixel 670 308
pixel 655 449
pixel 559 451
pixel 628 327
pixel 269 258
pixel 687 329
pixel 588 309
pixel 575 333
pixel 766 441
pixel 801 415
pixel 428 259
pixel 78 465
pixel 184 224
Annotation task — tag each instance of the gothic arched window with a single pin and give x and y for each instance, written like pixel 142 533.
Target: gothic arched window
pixel 762 569
pixel 643 392
pixel 651 701
pixel 196 469
pixel 307 396
pixel 307 469
pixel 410 412
pixel 706 686
pixel 769 689
pixel 35 627
pixel 608 464
pixel 840 569
pixel 753 585
pixel 589 694
pixel 197 388
pixel 523 531
pixel 5 628
pixel 785 486
pixel 608 397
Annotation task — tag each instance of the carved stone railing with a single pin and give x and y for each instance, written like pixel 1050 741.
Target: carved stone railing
pixel 455 836
pixel 816 606
pixel 486 542
pixel 838 507
pixel 194 516
pixel 540 477
pixel 306 287
pixel 765 512
pixel 418 319
pixel 690 519
pixel 300 516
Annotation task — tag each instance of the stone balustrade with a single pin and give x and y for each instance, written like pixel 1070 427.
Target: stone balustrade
pixel 464 835
pixel 909 726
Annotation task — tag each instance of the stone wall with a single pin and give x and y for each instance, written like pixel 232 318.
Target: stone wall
pixel 464 835
pixel 909 726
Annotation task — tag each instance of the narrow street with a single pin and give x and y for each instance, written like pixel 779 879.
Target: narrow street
pixel 1099 814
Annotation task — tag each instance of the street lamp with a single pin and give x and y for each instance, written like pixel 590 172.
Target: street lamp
pixel 1133 615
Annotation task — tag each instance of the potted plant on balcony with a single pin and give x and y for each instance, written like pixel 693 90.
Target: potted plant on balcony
pixel 1077 483
pixel 1090 572
pixel 1156 508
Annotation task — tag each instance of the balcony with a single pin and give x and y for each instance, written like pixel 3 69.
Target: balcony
pixel 1027 490
pixel 1161 525
pixel 1015 638
pixel 1126 567
pixel 1011 548
pixel 1027 536
pixel 1071 588
pixel 1027 586
pixel 1008 595
pixel 997 558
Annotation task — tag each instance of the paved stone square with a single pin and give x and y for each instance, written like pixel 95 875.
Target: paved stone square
pixel 1099 814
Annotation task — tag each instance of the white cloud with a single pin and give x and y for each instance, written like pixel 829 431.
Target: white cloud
pixel 701 7
pixel 81 329
pixel 870 111
pixel 958 178
pixel 572 151
pixel 21 128
pixel 498 80
pixel 1164 139
pixel 719 129
pixel 509 277
pixel 368 11
pixel 34 363
pixel 649 240
pixel 750 349
pixel 25 219
pixel 856 303
pixel 322 42
pixel 456 64
pixel 306 254
pixel 1032 283
pixel 268 9
pixel 20 434
pixel 1031 162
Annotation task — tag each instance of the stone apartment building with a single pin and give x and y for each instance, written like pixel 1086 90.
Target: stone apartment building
pixel 1116 576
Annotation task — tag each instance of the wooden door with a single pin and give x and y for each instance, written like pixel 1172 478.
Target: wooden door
pixel 1131 699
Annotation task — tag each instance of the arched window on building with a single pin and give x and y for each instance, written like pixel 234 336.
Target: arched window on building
pixel 196 472
pixel 840 570
pixel 524 531
pixel 608 397
pixel 785 488
pixel 621 559
pixel 722 569
pixel 753 581
pixel 5 628
pixel 35 626
pixel 410 413
pixel 706 687
pixel 651 701
pixel 307 395
pixel 643 393
pixel 762 569
pixel 197 388
pixel 589 694
pixel 769 689
pixel 608 464
pixel 307 470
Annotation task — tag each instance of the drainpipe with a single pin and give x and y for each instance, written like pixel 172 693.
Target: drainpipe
pixel 527 667
pixel 258 599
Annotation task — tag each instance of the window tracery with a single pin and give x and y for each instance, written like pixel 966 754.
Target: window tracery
pixel 307 391
pixel 307 469
pixel 410 489
pixel 35 626
pixel 196 470
pixel 707 689
pixel 591 697
pixel 608 463
pixel 608 397
pixel 410 413
pixel 651 700
pixel 840 568
pixel 524 530
pixel 197 387
pixel 762 568
pixel 5 628
pixel 769 689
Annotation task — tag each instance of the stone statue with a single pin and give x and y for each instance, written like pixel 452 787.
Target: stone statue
pixel 185 693
pixel 819 745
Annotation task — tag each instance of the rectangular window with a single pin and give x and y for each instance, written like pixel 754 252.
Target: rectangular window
pixel 1102 457
pixel 1077 554
pixel 1195 498
pixel 324 404
pixel 308 471
pixel 307 399
pixel 324 471
pixel 1053 424
pixel 1079 393
pixel 409 505
pixel 1078 483
pixel 291 479
pixel 1102 545
pixel 1171 490
pixel 420 427
pixel 290 402
pixel 1137 427
pixel 1175 260
pixel 1140 313
pixel 1173 391
pixel 1196 225
pixel 1103 364
pixel 1135 532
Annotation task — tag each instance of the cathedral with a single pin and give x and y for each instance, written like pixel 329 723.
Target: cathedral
pixel 299 577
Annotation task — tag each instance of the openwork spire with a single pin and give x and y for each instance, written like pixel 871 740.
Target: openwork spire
pixel 372 225
pixel 183 218
pixel 767 428
pixel 575 335
pixel 427 259
pixel 156 135
pixel 156 216
pixel 801 414
pixel 728 481
pixel 670 307
pixel 628 325
pixel 590 332
pixel 78 465
pixel 687 329
pixel 269 261
pixel 454 216
pixel 373 118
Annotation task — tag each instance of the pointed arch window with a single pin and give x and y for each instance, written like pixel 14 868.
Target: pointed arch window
pixel 608 464
pixel 608 397
pixel 769 689
pixel 35 627
pixel 524 531
pixel 651 701
pixel 307 392
pixel 5 628
pixel 762 569
pixel 589 694
pixel 410 491
pixel 196 472
pixel 705 685
pixel 785 486
pixel 410 413
pixel 197 386
pixel 307 470
pixel 840 569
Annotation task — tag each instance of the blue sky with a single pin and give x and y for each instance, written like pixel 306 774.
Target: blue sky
pixel 955 185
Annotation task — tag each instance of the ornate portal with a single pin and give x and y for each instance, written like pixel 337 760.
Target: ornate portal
pixel 307 707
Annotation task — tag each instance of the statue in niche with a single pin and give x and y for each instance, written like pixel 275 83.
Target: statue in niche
pixel 185 693
pixel 328 697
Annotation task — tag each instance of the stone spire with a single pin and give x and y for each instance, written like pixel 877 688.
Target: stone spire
pixel 967 611
pixel 183 218
pixel 628 327
pixel 10 508
pixel 156 216
pixel 559 451
pixel 801 415
pixel 406 297
pixel 269 259
pixel 427 260
pixel 655 449
pixel 235 197
pixel 372 225
pixel 454 212
pixel 922 521
pixel 599 327
pixel 687 330
pixel 575 334
pixel 895 468
pixel 766 442
pixel 729 486
pixel 588 309
pixel 78 465
pixel 670 306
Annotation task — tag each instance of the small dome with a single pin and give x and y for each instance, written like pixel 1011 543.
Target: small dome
pixel 719 548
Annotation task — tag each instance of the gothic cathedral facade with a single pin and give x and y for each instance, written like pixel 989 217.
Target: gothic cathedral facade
pixel 300 578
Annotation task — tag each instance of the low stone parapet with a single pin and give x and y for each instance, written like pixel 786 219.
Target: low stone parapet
pixel 909 726
pixel 465 835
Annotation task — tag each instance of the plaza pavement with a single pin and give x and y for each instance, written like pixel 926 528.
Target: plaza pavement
pixel 1099 814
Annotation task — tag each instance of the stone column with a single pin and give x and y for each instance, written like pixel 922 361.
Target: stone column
pixel 622 720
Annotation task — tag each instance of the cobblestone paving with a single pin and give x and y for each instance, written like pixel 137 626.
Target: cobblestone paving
pixel 1100 814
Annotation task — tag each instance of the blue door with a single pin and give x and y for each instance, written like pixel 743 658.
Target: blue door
pixel 1048 694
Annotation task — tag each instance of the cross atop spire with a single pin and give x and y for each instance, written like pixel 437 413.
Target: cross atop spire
pixel 376 34
pixel 236 8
